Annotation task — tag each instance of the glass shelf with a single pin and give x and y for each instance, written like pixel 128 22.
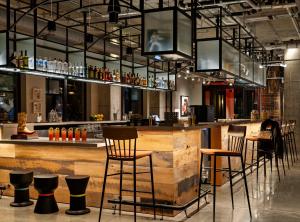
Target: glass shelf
pixel 75 78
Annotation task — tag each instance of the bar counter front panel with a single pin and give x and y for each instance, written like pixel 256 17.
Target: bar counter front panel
pixel 175 161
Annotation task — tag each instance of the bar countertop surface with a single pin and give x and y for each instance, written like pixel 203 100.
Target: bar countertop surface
pixel 44 141
pixel 198 126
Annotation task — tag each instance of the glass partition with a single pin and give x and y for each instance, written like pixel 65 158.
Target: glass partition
pixel 208 55
pixel 230 58
pixel 184 34
pixel 246 67
pixel 158 31
pixel 2 48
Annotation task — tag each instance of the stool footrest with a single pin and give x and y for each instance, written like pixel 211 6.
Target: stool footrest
pixel 138 191
pixel 161 206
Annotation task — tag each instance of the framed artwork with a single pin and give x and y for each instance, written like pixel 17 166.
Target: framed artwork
pixel 184 105
pixel 36 107
pixel 36 94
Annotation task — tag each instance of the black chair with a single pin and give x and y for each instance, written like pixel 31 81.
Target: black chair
pixel 121 146
pixel 236 136
pixel 291 124
pixel 21 181
pixel 45 184
pixel 77 186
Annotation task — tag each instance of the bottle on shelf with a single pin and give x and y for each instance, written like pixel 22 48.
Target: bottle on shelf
pixel 20 60
pixel 13 60
pixel 25 60
pixel 45 65
pixel 65 67
pixel 31 62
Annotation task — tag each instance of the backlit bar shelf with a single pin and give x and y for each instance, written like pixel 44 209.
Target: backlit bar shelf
pixel 76 78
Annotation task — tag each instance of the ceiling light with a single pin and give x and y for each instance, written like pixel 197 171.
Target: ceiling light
pixel 230 84
pixel 113 10
pixel 157 57
pixel 185 77
pixel 283 65
pixel 179 75
pixel 114 55
pixel 187 71
pixel 193 79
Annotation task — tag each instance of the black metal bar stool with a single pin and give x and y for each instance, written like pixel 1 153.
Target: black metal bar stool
pixel 254 140
pixel 290 140
pixel 121 146
pixel 77 186
pixel 236 136
pixel 292 124
pixel 45 184
pixel 21 181
pixel 286 147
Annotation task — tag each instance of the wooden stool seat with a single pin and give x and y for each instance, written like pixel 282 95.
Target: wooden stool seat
pixel 126 155
pixel 219 152
pixel 253 138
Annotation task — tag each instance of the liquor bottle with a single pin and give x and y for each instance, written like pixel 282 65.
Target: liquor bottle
pixel 40 64
pixel 95 72
pixel 114 75
pixel 98 73
pixel 70 72
pixel 25 60
pixel 59 66
pixel 13 60
pixel 90 72
pixel 66 67
pixel 117 76
pixel 81 70
pixel 31 62
pixel 137 80
pixel 20 60
pixel 54 64
pixel 45 64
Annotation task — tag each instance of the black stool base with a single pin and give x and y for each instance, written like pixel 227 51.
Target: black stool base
pixel 22 204
pixel 46 205
pixel 78 212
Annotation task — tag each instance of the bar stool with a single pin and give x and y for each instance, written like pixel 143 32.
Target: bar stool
pixel 290 141
pixel 45 184
pixel 292 124
pixel 236 136
pixel 77 186
pixel 284 135
pixel 21 181
pixel 253 139
pixel 121 146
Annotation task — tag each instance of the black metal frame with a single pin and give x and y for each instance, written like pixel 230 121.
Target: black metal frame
pixel 175 11
pixel 218 25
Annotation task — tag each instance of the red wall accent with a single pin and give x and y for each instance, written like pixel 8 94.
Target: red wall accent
pixel 230 103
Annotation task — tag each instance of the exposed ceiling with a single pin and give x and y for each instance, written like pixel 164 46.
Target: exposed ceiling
pixel 274 23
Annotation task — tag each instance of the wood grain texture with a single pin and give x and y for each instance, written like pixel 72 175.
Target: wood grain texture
pixel 175 164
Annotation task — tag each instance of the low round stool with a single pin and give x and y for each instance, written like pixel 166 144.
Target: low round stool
pixel 45 184
pixel 77 186
pixel 21 181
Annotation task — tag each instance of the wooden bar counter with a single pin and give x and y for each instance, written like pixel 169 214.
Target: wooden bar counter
pixel 175 161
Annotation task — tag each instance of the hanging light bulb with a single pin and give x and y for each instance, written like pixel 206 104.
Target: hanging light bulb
pixel 113 11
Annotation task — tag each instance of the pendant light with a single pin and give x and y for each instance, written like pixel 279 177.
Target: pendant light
pixel 51 24
pixel 113 11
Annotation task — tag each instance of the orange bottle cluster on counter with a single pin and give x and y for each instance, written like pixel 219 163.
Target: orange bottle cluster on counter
pixel 64 135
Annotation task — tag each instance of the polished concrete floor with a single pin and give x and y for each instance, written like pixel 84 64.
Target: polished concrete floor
pixel 271 200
